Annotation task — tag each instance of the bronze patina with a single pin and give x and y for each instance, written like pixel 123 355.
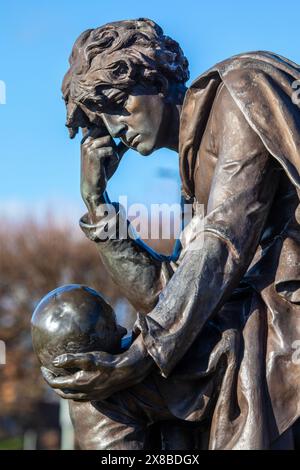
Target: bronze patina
pixel 216 326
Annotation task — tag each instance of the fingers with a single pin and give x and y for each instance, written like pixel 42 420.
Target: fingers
pixel 103 141
pixel 71 395
pixel 87 361
pixel 96 153
pixel 94 132
pixel 79 382
pixel 100 148
pixel 105 362
pixel 57 381
pixel 83 361
pixel 107 157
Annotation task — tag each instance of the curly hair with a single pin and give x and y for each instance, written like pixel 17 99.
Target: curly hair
pixel 120 55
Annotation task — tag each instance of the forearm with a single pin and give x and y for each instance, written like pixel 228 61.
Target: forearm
pixel 201 284
pixel 210 269
pixel 139 271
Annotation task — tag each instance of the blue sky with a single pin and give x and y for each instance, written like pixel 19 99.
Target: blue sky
pixel 39 164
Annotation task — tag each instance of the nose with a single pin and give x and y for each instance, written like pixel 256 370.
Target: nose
pixel 114 124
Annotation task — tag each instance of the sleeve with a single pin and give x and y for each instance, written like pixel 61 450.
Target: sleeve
pixel 139 271
pixel 242 190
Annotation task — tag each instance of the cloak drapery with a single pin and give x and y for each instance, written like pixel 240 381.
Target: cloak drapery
pixel 253 366
pixel 263 85
pixel 238 371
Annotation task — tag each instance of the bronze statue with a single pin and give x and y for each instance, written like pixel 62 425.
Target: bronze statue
pixel 216 326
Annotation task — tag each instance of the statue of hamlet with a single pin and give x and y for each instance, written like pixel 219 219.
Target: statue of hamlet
pixel 213 347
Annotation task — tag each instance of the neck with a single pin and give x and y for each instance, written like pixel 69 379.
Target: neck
pixel 175 103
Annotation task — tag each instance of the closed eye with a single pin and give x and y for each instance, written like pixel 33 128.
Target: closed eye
pixel 117 98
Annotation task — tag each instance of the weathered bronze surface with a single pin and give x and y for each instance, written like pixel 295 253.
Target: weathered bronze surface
pixel 216 326
pixel 73 319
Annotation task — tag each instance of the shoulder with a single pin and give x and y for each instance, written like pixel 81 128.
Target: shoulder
pixel 226 113
pixel 230 129
pixel 245 69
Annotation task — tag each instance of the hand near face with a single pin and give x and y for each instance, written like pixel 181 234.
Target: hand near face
pixel 100 374
pixel 100 158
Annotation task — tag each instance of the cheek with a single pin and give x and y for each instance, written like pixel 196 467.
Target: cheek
pixel 110 122
pixel 145 114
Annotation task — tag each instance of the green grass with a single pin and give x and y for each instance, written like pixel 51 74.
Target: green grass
pixel 15 443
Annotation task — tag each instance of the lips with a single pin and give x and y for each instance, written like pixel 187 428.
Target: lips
pixel 133 140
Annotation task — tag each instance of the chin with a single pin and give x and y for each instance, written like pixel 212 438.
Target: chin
pixel 144 149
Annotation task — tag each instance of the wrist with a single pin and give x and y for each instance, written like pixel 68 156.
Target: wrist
pixel 103 224
pixel 96 207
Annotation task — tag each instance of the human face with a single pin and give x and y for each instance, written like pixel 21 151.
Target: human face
pixel 137 118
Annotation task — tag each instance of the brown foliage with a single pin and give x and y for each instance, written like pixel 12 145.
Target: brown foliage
pixel 34 259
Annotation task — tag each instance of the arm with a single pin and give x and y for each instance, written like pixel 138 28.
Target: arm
pixel 242 191
pixel 243 188
pixel 139 271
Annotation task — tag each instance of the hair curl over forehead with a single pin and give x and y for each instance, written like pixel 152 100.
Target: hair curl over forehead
pixel 118 55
